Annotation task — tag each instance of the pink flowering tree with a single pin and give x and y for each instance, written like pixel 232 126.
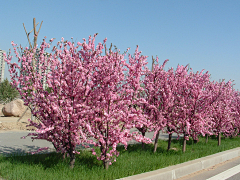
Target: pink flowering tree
pixel 191 100
pixel 60 110
pixel 136 91
pixel 159 96
pixel 222 112
pixel 235 109
pixel 171 86
pixel 112 115
pixel 87 96
pixel 179 99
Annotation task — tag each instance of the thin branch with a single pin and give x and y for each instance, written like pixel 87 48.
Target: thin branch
pixel 28 36
pixel 39 27
pixel 22 115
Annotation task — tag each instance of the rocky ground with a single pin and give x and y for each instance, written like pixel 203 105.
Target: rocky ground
pixel 12 123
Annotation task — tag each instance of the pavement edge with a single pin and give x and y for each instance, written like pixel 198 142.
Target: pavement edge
pixel 183 169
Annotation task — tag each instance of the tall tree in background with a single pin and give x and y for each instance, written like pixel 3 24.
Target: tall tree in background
pixel 7 92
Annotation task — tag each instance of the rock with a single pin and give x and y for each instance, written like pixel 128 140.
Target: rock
pixel 15 108
pixel 1 106
pixel 175 149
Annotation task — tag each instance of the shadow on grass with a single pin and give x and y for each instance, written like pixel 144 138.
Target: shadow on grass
pixel 85 158
pixel 53 159
pixel 148 149
pixel 46 160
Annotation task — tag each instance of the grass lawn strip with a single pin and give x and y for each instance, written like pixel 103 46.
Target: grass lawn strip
pixel 133 161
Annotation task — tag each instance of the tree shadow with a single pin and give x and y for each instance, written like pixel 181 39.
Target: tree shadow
pixel 148 148
pixel 47 159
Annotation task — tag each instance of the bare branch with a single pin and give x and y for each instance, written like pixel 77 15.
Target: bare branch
pixel 39 27
pixel 27 36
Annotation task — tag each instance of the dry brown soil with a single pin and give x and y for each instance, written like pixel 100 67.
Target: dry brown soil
pixel 12 124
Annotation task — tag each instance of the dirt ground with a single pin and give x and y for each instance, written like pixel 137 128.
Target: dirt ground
pixel 11 124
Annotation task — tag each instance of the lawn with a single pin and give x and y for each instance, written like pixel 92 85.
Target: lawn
pixel 130 162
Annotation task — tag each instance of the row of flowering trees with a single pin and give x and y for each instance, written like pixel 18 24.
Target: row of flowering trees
pixel 96 98
pixel 190 104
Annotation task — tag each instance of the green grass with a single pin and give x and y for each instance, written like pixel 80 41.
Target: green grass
pixel 130 162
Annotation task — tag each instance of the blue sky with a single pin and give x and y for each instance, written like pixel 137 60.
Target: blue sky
pixel 204 34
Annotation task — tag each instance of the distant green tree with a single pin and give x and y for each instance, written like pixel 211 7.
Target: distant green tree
pixel 7 92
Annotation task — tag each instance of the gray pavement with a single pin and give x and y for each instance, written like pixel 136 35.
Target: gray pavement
pixel 215 171
pixel 11 142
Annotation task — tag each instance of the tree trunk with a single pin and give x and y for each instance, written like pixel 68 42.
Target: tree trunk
pixel 143 144
pixel 184 144
pixel 106 164
pixel 71 154
pixel 156 142
pixel 72 160
pixel 219 139
pixel 169 141
pixel 64 156
pixel 195 141
pixel 206 138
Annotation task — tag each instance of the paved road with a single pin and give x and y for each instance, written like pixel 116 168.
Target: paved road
pixel 229 170
pixel 11 142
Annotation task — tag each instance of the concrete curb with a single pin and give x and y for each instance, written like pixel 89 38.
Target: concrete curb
pixel 183 169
